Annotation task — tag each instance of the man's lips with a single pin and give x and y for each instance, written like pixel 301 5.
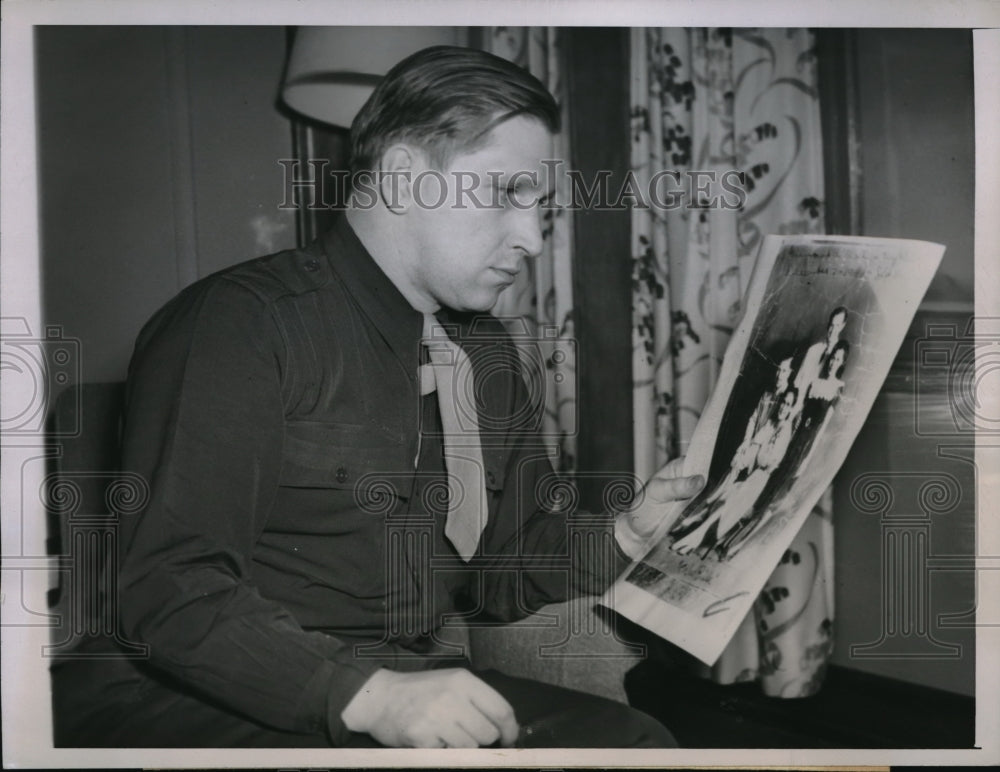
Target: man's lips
pixel 507 274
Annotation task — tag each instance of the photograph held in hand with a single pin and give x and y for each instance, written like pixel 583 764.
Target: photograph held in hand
pixel 824 318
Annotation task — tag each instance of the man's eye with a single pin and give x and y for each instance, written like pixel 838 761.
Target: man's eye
pixel 522 196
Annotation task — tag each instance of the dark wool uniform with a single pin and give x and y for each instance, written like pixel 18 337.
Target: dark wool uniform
pixel 294 538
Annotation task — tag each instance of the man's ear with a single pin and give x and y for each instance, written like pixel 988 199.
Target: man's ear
pixel 396 177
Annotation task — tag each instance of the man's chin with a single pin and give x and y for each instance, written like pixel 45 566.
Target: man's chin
pixel 478 305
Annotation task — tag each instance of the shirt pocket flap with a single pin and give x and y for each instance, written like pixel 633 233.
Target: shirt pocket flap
pixel 321 454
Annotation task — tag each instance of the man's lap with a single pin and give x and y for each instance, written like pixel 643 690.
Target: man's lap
pixel 144 713
pixel 556 717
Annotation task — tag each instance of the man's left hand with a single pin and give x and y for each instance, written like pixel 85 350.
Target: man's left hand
pixel 636 525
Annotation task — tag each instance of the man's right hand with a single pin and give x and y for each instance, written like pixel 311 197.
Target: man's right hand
pixel 448 708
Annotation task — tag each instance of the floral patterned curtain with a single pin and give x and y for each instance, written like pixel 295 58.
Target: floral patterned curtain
pixel 706 102
pixel 540 302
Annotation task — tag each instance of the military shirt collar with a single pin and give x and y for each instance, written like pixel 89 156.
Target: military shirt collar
pixel 398 322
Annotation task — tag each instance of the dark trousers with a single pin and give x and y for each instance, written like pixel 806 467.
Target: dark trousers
pixel 157 716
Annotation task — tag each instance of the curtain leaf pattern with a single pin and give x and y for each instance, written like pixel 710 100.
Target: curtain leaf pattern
pixel 707 105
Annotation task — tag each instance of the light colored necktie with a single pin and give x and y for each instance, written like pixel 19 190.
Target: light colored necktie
pixel 450 374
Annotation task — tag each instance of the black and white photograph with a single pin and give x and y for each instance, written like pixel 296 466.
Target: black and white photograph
pixel 824 317
pixel 443 384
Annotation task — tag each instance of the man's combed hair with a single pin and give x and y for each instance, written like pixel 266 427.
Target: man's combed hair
pixel 446 100
pixel 835 313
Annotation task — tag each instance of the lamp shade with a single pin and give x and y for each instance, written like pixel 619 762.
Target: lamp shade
pixel 333 70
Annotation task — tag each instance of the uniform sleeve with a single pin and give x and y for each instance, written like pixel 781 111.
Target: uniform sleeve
pixel 204 427
pixel 535 554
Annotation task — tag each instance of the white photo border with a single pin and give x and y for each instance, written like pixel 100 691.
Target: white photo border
pixel 26 719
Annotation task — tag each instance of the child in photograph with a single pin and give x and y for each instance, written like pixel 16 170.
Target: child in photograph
pixel 758 460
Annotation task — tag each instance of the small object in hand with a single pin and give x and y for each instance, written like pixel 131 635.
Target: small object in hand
pixel 537 734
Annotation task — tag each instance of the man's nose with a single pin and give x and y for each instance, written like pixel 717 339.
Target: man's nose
pixel 527 231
